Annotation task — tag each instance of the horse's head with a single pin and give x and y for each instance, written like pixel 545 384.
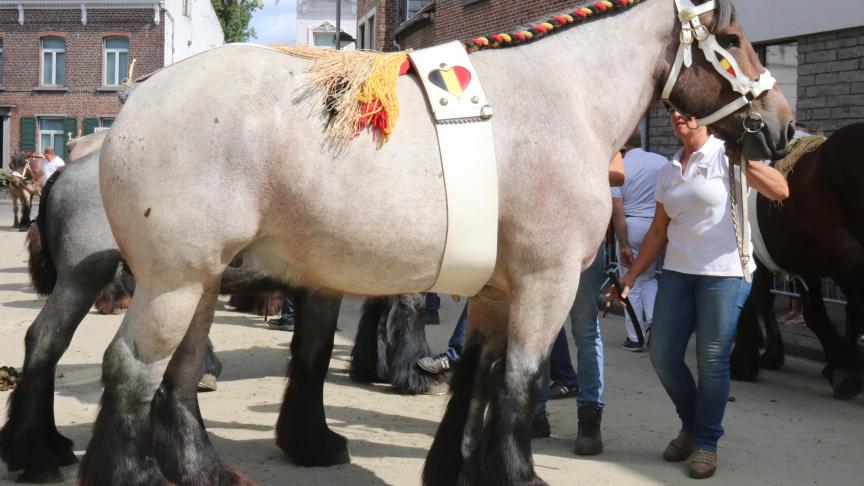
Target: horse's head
pixel 716 79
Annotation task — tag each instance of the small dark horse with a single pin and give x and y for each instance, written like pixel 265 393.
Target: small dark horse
pixel 817 233
pixel 22 188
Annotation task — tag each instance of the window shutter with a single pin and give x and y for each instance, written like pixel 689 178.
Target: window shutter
pixel 90 125
pixel 28 133
pixel 70 125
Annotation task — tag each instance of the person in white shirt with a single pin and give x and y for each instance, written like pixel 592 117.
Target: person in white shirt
pixel 632 212
pixel 52 163
pixel 702 288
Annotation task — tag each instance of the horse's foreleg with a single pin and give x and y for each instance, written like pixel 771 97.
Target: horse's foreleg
pixel 366 361
pixel 407 343
pixel 120 451
pixel 301 430
pixel 841 360
pixel 180 442
pixel 848 382
pixel 744 362
pixel 16 221
pixel 26 202
pixel 29 440
pixel 774 355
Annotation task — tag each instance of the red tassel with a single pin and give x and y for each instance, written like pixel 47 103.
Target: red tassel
pixel 601 6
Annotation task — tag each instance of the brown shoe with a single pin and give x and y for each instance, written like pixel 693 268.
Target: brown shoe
pixel 704 464
pixel 679 448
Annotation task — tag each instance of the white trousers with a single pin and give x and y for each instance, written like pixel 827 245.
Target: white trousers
pixel 644 290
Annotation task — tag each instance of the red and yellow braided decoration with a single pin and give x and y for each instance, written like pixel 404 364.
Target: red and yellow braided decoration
pixel 554 24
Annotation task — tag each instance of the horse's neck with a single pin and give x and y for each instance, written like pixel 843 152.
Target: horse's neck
pixel 593 81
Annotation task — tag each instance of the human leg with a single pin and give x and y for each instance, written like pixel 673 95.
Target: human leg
pixel 674 314
pixel 445 361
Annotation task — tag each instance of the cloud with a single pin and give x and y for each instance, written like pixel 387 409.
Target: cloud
pixel 276 23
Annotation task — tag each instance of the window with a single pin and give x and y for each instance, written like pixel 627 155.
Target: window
pixel 323 39
pixel 782 61
pixel 116 60
pixel 411 7
pixel 51 135
pixel 105 124
pixel 53 61
pixel 366 31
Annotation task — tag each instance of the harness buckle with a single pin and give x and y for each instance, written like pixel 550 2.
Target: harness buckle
pixel 686 35
pixel 702 33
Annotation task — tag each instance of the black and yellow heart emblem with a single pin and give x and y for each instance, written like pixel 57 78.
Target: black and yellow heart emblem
pixel 453 80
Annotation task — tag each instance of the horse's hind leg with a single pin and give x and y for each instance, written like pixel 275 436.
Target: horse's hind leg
pixel 301 430
pixel 848 382
pixel 120 451
pixel 367 357
pixel 16 221
pixel 841 360
pixel 407 343
pixel 29 440
pixel 180 442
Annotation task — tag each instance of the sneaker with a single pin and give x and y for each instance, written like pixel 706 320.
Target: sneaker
pixel 704 464
pixel 540 428
pixel 632 346
pixel 557 392
pixel 435 365
pixel 281 324
pixel 679 448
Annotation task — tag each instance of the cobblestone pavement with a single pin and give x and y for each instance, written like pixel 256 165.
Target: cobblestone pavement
pixel 785 430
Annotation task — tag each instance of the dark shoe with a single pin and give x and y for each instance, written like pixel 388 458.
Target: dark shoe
pixel 430 318
pixel 632 346
pixel 557 392
pixel 281 324
pixel 704 464
pixel 207 383
pixel 435 365
pixel 680 448
pixel 540 428
pixel 589 441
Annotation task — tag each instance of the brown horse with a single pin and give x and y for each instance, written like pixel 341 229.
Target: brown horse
pixel 817 233
pixel 23 187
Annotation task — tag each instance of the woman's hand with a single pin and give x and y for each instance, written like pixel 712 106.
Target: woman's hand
pixel 627 282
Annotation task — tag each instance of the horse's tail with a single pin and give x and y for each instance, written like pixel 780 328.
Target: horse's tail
pixel 43 273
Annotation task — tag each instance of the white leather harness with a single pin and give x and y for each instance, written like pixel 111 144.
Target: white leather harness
pixel 692 30
pixel 463 123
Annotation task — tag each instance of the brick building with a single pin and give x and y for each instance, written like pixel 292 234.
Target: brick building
pixel 62 63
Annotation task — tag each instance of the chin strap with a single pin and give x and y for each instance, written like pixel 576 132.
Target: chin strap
pixel 692 30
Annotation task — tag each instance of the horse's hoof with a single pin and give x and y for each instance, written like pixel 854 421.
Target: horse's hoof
pixel 41 476
pixel 326 449
pixel 228 476
pixel 773 361
pixel 847 384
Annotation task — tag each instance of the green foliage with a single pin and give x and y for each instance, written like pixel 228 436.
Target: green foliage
pixel 5 178
pixel 234 15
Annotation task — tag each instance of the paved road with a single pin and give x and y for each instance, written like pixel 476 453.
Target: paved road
pixel 786 430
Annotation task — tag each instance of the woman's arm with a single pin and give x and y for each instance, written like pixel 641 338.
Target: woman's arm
pixel 654 243
pixel 767 181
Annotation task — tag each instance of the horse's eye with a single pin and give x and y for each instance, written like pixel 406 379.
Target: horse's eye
pixel 729 41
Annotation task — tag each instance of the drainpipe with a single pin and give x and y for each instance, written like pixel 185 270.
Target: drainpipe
pixel 396 24
pixel 173 26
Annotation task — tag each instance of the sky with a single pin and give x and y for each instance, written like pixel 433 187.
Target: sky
pixel 275 23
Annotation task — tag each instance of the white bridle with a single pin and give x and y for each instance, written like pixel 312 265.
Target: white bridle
pixel 692 30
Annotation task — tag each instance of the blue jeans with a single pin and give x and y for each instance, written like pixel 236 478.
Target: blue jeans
pixel 433 302
pixel 585 326
pixel 454 346
pixel 561 370
pixel 710 306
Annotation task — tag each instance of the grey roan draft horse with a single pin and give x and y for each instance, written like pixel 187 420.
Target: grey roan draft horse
pixel 373 221
pixel 74 259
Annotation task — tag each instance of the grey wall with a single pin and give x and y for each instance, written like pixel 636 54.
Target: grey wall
pixel 767 20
